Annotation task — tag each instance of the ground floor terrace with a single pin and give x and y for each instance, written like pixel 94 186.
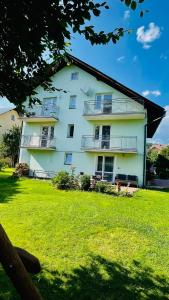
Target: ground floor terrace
pixel 106 165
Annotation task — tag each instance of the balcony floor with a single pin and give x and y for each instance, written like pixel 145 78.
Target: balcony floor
pixel 39 148
pixel 112 150
pixel 43 119
pixel 116 116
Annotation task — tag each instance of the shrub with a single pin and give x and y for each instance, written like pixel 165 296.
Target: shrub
pixel 2 164
pixel 85 182
pixel 101 187
pixel 74 182
pixel 22 169
pixel 106 187
pixel 111 190
pixel 62 180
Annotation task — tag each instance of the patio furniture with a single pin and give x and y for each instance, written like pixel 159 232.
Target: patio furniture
pixel 128 180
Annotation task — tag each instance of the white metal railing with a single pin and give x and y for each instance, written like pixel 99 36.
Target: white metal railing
pixel 121 106
pixel 38 142
pixel 114 143
pixel 42 111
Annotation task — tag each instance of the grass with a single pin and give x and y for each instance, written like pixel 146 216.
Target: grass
pixel 91 246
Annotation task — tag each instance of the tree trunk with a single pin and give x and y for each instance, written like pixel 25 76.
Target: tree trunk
pixel 15 269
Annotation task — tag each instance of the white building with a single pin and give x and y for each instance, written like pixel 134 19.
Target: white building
pixel 98 125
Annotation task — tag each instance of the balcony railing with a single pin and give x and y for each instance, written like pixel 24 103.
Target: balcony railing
pixel 38 142
pixel 110 107
pixel 42 111
pixel 114 143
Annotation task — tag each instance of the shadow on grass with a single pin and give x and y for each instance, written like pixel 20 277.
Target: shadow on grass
pixel 100 280
pixel 104 280
pixel 8 187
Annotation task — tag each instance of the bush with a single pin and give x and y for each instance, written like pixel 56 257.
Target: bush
pixel 2 164
pixel 101 187
pixel 22 169
pixel 62 180
pixel 85 182
pixel 106 187
pixel 111 190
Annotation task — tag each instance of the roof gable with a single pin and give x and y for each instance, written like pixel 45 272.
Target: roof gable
pixel 155 113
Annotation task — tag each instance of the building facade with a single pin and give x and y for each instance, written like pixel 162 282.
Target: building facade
pixel 93 125
pixel 8 119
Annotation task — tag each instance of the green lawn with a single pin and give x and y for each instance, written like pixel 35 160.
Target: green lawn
pixel 91 246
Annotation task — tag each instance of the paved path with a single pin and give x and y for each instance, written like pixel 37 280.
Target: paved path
pixel 163 183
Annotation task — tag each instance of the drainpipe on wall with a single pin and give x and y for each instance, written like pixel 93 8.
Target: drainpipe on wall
pixel 144 155
pixel 20 141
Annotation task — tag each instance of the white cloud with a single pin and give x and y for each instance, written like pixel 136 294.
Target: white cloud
pixel 126 15
pixel 146 37
pixel 121 58
pixel 155 93
pixel 162 134
pixel 135 58
pixel 163 56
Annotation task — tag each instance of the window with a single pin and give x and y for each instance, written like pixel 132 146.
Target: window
pixel 68 158
pixel 12 118
pixel 104 167
pixel 49 106
pixel 70 131
pixel 103 103
pixel 47 135
pixel 96 133
pixel 49 101
pixel 72 102
pixel 98 102
pixel 74 76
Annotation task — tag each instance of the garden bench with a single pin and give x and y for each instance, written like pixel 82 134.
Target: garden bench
pixel 129 180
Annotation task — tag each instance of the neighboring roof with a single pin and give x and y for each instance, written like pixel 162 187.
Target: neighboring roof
pixel 155 113
pixel 4 110
pixel 158 147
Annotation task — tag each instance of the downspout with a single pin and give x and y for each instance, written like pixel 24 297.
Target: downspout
pixel 20 141
pixel 144 155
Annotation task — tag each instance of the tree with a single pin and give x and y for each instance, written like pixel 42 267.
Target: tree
pixel 11 143
pixel 29 28
pixel 162 163
pixel 152 155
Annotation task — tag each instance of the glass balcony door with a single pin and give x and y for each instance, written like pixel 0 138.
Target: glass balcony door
pixel 104 167
pixel 105 141
pixel 47 136
pixel 103 103
pixel 107 104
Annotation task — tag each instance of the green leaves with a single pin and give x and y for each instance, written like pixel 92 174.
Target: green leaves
pixel 133 5
pixel 128 2
pixel 25 35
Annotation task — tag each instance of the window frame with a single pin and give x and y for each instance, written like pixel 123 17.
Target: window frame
pixel 102 173
pixel 76 76
pixel 71 98
pixel 68 131
pixel 65 158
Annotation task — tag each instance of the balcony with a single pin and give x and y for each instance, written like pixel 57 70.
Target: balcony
pixel 41 113
pixel 38 142
pixel 113 109
pixel 116 144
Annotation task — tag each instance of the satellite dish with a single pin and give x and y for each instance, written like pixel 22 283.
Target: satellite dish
pixel 87 91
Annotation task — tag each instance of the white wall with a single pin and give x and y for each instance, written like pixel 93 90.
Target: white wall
pixel 83 161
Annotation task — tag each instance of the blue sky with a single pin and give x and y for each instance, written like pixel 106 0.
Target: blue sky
pixel 143 70
pixel 139 60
